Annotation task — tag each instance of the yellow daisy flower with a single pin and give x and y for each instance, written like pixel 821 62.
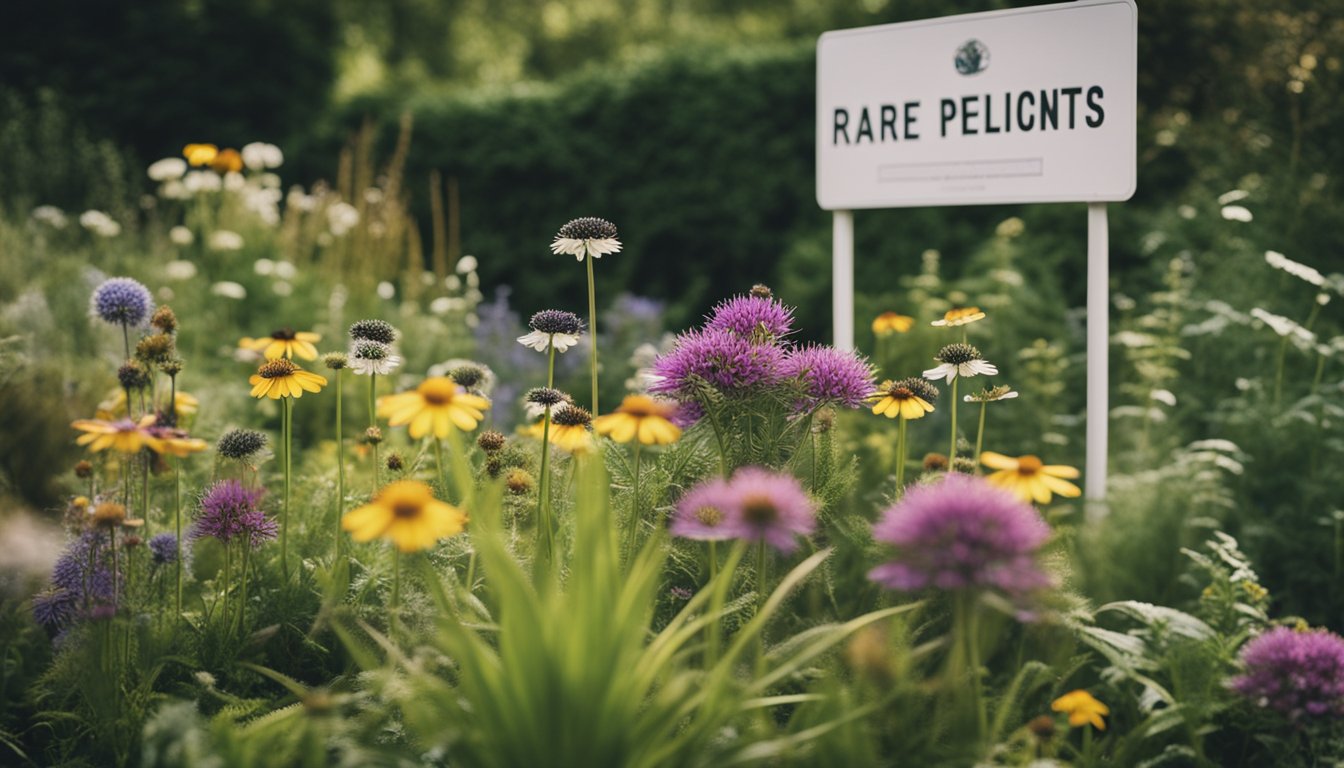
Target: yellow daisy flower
pixel 437 406
pixel 888 323
pixel 960 316
pixel 123 435
pixel 642 417
pixel 910 398
pixel 281 378
pixel 285 342
pixel 114 406
pixel 570 428
pixel 407 514
pixel 1030 479
pixel 226 161
pixel 200 154
pixel 176 442
pixel 1082 708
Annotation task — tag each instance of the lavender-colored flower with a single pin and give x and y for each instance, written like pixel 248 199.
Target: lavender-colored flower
pixel 771 507
pixel 230 510
pixel 728 362
pixel 687 414
pixel 962 533
pixel 705 512
pixel 830 376
pixel 121 301
pixel 1297 674
pixel 82 576
pixel 55 608
pixel 163 548
pixel 759 318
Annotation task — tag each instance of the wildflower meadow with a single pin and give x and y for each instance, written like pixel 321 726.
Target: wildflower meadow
pixel 291 476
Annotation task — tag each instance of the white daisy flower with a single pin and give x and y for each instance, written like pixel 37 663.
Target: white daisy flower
pixel 541 341
pixel 168 169
pixel 181 235
pixel 368 357
pixel 588 236
pixel 225 240
pixel 959 360
pixel 992 395
pixel 552 328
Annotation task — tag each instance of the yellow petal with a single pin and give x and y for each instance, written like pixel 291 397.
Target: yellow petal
pixel 1062 487
pixel 998 461
pixel 1060 470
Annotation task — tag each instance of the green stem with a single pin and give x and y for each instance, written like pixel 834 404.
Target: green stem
pixel 592 328
pixel 286 429
pixel 952 449
pixel 144 492
pixel 438 460
pixel 550 361
pixel 373 424
pixel 760 603
pixel 980 437
pixel 1278 370
pixel 177 518
pixel 340 468
pixel 545 534
pixel 395 607
pixel 242 593
pixel 227 582
pixel 966 628
pixel 900 457
pixel 126 340
pixel 718 437
pixel 631 533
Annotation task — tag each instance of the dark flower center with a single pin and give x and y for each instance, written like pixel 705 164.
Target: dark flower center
pixel 1029 465
pixel 276 369
pixel 759 510
pixel 284 334
pixel 405 510
pixel 588 228
pixel 709 516
pixel 958 354
pixel 572 416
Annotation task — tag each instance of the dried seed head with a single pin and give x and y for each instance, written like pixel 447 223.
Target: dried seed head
pixel 490 441
pixel 588 228
pixel 373 330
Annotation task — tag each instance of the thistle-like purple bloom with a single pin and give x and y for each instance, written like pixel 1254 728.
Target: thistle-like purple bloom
pixel 229 510
pixel 121 301
pixel 54 608
pixel 82 576
pixel 687 414
pixel 962 533
pixel 830 376
pixel 1297 674
pixel 772 507
pixel 729 363
pixel 751 317
pixel 163 548
pixel 704 513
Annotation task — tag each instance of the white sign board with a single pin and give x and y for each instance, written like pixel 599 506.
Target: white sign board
pixel 1032 105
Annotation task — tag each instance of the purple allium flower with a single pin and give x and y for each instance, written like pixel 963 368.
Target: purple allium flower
pixel 163 548
pixel 962 533
pixel 230 510
pixel 1297 674
pixel 54 608
pixel 726 361
pixel 82 576
pixel 705 512
pixel 830 375
pixel 121 301
pixel 756 318
pixel 771 507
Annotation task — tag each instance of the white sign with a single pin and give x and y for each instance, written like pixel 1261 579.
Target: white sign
pixel 1032 105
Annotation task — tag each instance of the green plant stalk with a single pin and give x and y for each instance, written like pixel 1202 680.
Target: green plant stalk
pixel 980 437
pixel 630 533
pixel 545 542
pixel 592 328
pixel 340 467
pixel 718 437
pixel 394 607
pixel 759 664
pixel 286 427
pixel 438 461
pixel 900 457
pixel 965 629
pixel 717 598
pixel 126 340
pixel 952 449
pixel 144 493
pixel 177 518
pixel 373 424
pixel 242 592
pixel 227 583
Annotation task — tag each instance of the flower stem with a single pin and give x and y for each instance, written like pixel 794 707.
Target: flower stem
pixel 438 461
pixel 394 607
pixel 592 328
pixel 952 449
pixel 177 518
pixel 760 603
pixel 900 457
pixel 242 592
pixel 227 582
pixel 340 468
pixel 373 423
pixel 144 492
pixel 550 361
pixel 544 532
pixel 979 437
pixel 126 340
pixel 287 437
pixel 631 533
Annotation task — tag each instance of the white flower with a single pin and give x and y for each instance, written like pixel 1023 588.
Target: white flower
pixel 180 235
pixel 587 236
pixel 540 341
pixel 229 290
pixel 373 195
pixel 225 240
pixel 168 169
pixel 386 290
pixel 466 264
pixel 1163 396
pixel 299 200
pixel 368 357
pixel 285 270
pixel 180 270
pixel 99 223
pixel 440 305
pixel 234 181
pixel 1286 327
pixel 50 215
pixel 202 181
pixel 1233 196
pixel 282 288
pixel 1300 271
pixel 258 156
pixel 341 218
pixel 174 190
pixel 263 267
pixel 992 395
pixel 452 282
pixel 1236 213
pixel 950 371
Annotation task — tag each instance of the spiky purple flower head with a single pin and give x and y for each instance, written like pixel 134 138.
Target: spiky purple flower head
pixel 230 510
pixel 81 576
pixel 688 413
pixel 704 513
pixel 758 318
pixel 163 548
pixel 1297 674
pixel 55 608
pixel 962 533
pixel 729 363
pixel 830 376
pixel 121 301
pixel 756 504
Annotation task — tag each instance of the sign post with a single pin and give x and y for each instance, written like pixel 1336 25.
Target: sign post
pixel 1031 105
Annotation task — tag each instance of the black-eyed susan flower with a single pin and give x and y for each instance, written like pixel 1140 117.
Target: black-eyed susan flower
pixel 280 378
pixel 570 428
pixel 406 513
pixel 174 441
pixel 959 360
pixel 285 342
pixel 200 154
pixel 437 407
pixel 1029 478
pixel 123 435
pixel 640 417
pixel 958 316
pixel 888 323
pixel 587 236
pixel 227 161
pixel 1082 708
pixel 909 398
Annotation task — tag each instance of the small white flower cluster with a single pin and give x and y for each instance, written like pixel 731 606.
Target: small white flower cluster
pixel 1296 269
pixel 51 216
pixel 259 156
pixel 99 223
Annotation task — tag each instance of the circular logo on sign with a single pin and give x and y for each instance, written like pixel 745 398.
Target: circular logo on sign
pixel 972 57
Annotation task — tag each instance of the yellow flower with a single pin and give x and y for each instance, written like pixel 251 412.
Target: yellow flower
pixel 642 417
pixel 280 378
pixel 888 323
pixel 124 435
pixel 228 160
pixel 960 316
pixel 200 154
pixel 907 398
pixel 1029 479
pixel 406 513
pixel 1082 709
pixel 438 405
pixel 114 406
pixel 285 342
pixel 176 442
pixel 570 428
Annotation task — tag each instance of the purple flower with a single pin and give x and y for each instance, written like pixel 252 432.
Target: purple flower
pixel 1297 674
pixel 730 363
pixel 229 510
pixel 962 533
pixel 163 548
pixel 54 608
pixel 830 375
pixel 756 318
pixel 687 414
pixel 755 505
pixel 704 512
pixel 121 301
pixel 81 576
